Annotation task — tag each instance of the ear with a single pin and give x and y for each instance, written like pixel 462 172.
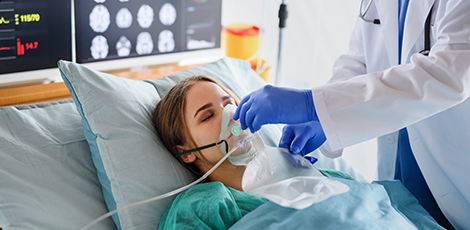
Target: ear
pixel 188 157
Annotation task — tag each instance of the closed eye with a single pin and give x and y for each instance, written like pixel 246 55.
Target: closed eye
pixel 208 117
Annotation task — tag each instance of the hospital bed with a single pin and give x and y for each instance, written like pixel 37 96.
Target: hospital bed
pixel 67 162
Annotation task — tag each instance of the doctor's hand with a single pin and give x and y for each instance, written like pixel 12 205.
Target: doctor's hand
pixel 273 105
pixel 302 138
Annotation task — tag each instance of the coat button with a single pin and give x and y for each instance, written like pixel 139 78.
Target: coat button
pixel 390 140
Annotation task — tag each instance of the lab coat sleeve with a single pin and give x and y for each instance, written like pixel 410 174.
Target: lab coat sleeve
pixel 371 105
pixel 326 150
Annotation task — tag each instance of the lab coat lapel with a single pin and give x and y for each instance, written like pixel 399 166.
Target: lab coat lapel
pixel 388 15
pixel 414 26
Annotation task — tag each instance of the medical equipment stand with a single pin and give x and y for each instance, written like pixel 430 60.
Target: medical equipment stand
pixel 282 24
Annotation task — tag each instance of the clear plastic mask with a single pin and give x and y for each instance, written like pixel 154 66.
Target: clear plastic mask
pixel 231 131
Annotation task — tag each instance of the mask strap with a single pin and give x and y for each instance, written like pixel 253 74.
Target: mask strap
pixel 204 147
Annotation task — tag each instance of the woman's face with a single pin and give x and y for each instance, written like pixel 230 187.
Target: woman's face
pixel 205 102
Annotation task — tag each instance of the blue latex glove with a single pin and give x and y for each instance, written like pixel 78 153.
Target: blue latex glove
pixel 273 105
pixel 302 138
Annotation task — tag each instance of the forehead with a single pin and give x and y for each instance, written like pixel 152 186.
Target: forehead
pixel 203 92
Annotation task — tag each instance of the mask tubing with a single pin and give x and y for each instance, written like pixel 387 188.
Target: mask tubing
pixel 176 191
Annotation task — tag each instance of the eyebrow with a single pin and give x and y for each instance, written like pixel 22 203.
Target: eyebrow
pixel 208 105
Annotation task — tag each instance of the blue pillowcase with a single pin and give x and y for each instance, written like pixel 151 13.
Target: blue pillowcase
pixel 47 176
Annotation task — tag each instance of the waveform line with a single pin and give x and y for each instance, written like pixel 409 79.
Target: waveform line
pixel 3 21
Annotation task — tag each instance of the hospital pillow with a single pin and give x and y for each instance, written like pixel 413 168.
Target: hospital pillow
pixel 47 177
pixel 132 163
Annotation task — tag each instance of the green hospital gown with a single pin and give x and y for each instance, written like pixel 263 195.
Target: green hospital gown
pixel 208 206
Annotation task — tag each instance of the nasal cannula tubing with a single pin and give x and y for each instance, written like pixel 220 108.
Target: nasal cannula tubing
pixel 240 144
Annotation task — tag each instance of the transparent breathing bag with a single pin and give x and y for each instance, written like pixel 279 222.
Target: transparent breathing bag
pixel 288 179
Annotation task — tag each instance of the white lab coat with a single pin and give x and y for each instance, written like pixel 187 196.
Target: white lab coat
pixel 370 96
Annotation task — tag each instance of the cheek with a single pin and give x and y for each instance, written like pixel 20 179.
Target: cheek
pixel 206 133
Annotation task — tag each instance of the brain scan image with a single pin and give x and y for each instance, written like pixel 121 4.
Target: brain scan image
pixel 166 42
pixel 112 30
pixel 144 43
pixel 99 47
pixel 167 14
pixel 99 18
pixel 145 16
pixel 123 18
pixel 123 47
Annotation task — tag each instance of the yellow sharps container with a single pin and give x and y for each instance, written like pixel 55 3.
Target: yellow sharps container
pixel 241 41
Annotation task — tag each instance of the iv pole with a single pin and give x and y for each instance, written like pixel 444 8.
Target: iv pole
pixel 282 23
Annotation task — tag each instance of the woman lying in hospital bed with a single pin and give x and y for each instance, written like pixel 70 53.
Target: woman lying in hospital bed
pixel 189 116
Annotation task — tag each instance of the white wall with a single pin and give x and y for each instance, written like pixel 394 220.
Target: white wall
pixel 316 33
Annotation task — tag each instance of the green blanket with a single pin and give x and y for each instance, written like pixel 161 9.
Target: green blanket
pixel 214 206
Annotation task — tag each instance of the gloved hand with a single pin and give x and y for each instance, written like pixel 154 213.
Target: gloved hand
pixel 302 138
pixel 273 105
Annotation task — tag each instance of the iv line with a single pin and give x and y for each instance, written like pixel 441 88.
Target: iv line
pixel 240 144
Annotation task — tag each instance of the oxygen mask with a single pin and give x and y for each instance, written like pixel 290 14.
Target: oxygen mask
pixel 231 132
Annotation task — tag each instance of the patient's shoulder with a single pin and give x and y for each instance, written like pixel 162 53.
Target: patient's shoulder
pixel 209 204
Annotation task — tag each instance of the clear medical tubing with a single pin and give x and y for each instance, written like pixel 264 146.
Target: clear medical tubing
pixel 240 144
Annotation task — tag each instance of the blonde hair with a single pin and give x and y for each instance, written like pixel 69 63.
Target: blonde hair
pixel 168 116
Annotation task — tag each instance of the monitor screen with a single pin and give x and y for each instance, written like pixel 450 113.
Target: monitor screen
pixel 110 30
pixel 34 34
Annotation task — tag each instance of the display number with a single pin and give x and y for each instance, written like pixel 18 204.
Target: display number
pixel 31 45
pixel 27 18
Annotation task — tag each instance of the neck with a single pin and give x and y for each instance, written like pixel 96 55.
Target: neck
pixel 230 175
